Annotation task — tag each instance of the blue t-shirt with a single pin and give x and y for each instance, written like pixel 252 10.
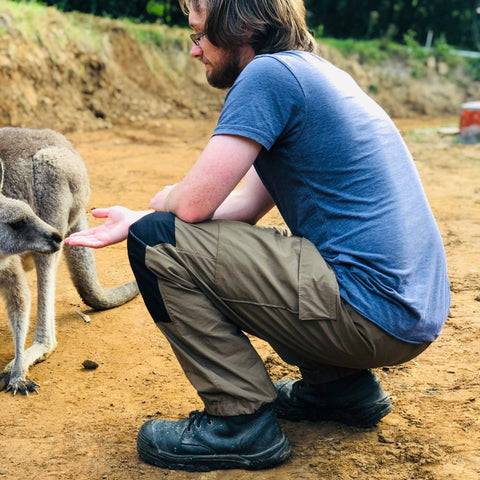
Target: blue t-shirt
pixel 342 177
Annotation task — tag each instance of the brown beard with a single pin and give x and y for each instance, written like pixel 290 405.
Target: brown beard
pixel 225 75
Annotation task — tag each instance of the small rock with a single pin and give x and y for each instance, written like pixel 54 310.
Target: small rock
pixel 89 365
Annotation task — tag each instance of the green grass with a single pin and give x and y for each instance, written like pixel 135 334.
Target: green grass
pixel 158 36
pixel 378 51
pixel 56 32
pixel 35 21
pixel 50 28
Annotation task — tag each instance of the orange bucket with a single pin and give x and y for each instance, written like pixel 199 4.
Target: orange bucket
pixel 470 123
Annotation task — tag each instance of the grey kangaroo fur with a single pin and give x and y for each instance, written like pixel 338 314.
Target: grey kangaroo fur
pixel 43 193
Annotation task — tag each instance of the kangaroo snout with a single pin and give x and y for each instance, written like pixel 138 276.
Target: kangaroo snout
pixel 22 230
pixel 47 239
pixel 54 241
pixel 57 238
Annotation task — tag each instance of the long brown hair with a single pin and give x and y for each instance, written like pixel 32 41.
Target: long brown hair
pixel 269 26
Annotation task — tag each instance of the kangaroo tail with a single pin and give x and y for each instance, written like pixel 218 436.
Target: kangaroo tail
pixel 82 266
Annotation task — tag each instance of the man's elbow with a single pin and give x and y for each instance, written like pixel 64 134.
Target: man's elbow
pixel 192 214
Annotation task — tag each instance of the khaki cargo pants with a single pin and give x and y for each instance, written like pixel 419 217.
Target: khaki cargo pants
pixel 209 284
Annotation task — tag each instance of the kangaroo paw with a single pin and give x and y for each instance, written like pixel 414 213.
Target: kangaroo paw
pixel 22 385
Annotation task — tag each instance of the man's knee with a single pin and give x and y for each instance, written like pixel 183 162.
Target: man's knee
pixel 153 229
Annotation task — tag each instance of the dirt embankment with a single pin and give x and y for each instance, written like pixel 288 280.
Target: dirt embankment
pixel 74 72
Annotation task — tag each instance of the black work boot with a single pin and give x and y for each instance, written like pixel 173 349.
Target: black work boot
pixel 204 442
pixel 357 400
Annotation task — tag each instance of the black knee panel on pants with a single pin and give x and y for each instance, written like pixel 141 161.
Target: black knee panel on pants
pixel 151 230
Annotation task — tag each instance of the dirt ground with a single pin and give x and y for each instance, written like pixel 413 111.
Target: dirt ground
pixel 83 424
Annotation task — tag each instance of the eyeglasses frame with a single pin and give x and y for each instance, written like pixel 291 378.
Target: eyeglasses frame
pixel 196 37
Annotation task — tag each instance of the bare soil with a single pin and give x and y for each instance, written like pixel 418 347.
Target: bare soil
pixel 83 424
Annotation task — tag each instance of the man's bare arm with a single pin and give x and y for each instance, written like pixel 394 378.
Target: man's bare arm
pixel 219 169
pixel 248 203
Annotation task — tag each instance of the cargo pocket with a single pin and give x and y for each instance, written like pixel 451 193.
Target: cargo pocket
pixel 318 293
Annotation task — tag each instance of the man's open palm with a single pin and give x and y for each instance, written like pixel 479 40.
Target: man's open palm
pixel 114 230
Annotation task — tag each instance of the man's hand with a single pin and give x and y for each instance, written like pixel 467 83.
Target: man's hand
pixel 158 201
pixel 114 230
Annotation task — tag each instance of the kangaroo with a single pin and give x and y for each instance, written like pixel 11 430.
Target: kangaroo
pixel 44 190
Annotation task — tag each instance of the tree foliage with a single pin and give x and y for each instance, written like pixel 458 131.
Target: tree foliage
pixel 167 11
pixel 456 21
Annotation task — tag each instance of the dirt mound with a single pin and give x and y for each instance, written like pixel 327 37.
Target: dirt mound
pixel 74 72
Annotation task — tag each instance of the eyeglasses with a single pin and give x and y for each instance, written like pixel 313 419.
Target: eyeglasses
pixel 196 37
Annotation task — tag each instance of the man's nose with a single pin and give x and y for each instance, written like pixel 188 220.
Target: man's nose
pixel 196 51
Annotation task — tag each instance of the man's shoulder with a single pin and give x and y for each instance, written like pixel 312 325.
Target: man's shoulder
pixel 279 67
pixel 286 57
pixel 292 62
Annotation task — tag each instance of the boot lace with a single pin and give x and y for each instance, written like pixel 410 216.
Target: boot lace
pixel 196 418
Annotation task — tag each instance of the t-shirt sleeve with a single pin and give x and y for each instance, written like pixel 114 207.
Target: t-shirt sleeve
pixel 265 103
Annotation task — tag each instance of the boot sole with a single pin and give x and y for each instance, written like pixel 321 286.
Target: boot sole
pixel 205 463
